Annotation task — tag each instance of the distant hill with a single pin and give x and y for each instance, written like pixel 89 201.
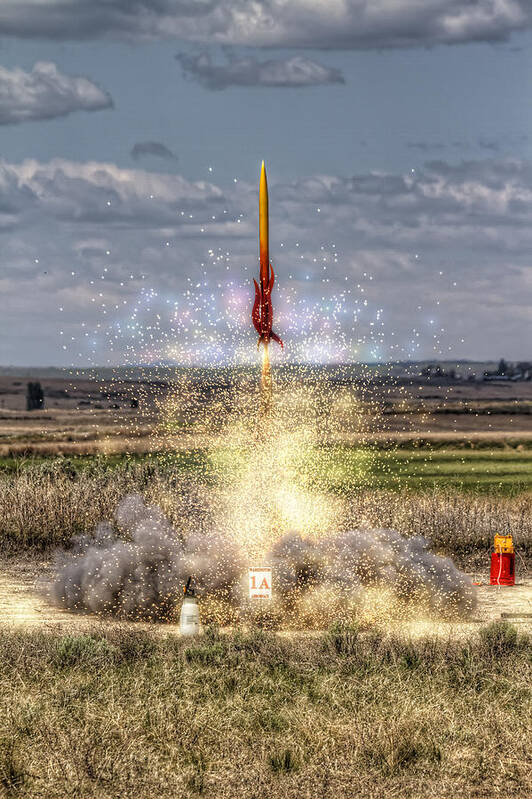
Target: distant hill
pixel 165 371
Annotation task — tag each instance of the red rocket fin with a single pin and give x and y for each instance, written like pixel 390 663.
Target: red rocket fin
pixel 255 313
pixel 276 338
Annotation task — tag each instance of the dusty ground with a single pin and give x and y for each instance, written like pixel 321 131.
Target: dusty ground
pixel 23 603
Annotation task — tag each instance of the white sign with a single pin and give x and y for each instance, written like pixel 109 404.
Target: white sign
pixel 260 582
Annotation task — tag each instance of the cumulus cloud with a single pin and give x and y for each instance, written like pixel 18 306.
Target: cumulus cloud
pixel 93 192
pixel 447 248
pixel 293 72
pixel 153 148
pixel 346 24
pixel 45 93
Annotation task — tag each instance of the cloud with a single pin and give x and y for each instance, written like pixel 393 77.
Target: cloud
pixel 154 148
pixel 489 144
pixel 103 194
pixel 45 93
pixel 512 141
pixel 335 24
pixel 431 256
pixel 425 146
pixel 293 72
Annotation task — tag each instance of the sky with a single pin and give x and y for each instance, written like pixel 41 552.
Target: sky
pixel 398 148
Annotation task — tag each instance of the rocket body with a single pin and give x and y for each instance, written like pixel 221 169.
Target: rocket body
pixel 262 313
pixel 264 231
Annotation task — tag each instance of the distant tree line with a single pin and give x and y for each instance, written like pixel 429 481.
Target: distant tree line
pixel 521 370
pixel 511 371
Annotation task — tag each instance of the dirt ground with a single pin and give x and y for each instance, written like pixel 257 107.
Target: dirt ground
pixel 24 604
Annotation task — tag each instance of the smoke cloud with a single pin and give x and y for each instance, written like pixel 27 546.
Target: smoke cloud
pixel 136 567
pixel 354 559
pixel 142 576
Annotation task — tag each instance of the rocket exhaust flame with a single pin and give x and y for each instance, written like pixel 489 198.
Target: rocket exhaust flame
pixel 266 382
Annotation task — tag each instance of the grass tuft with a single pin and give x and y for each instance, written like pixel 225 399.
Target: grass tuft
pixel 82 650
pixel 283 762
pixel 12 774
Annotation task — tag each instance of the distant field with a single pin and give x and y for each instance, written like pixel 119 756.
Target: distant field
pixel 471 470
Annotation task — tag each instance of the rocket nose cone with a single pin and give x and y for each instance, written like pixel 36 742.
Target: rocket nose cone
pixel 263 183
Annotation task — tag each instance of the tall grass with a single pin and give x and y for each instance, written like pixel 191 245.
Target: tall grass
pixel 456 523
pixel 45 506
pixel 120 713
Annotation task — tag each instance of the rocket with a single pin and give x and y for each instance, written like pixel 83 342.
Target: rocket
pixel 262 313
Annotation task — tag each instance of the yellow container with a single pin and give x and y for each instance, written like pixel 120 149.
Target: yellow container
pixel 503 543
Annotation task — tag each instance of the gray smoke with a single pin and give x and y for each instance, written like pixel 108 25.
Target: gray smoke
pixel 142 576
pixel 297 563
pixel 353 559
pixel 135 568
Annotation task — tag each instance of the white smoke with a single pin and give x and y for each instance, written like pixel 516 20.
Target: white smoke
pixel 142 577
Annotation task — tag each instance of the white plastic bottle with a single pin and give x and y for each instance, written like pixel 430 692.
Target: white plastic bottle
pixel 189 621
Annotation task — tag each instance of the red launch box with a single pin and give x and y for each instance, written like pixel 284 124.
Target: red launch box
pixel 502 571
pixel 260 582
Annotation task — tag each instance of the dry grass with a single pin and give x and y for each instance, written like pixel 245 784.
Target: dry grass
pixel 122 713
pixel 44 507
pixel 143 441
pixel 457 524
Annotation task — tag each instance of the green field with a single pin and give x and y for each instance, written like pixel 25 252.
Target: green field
pixel 507 472
pixel 340 469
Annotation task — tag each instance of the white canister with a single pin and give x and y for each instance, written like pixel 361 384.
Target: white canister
pixel 189 621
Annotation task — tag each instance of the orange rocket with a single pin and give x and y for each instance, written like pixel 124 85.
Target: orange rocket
pixel 262 313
